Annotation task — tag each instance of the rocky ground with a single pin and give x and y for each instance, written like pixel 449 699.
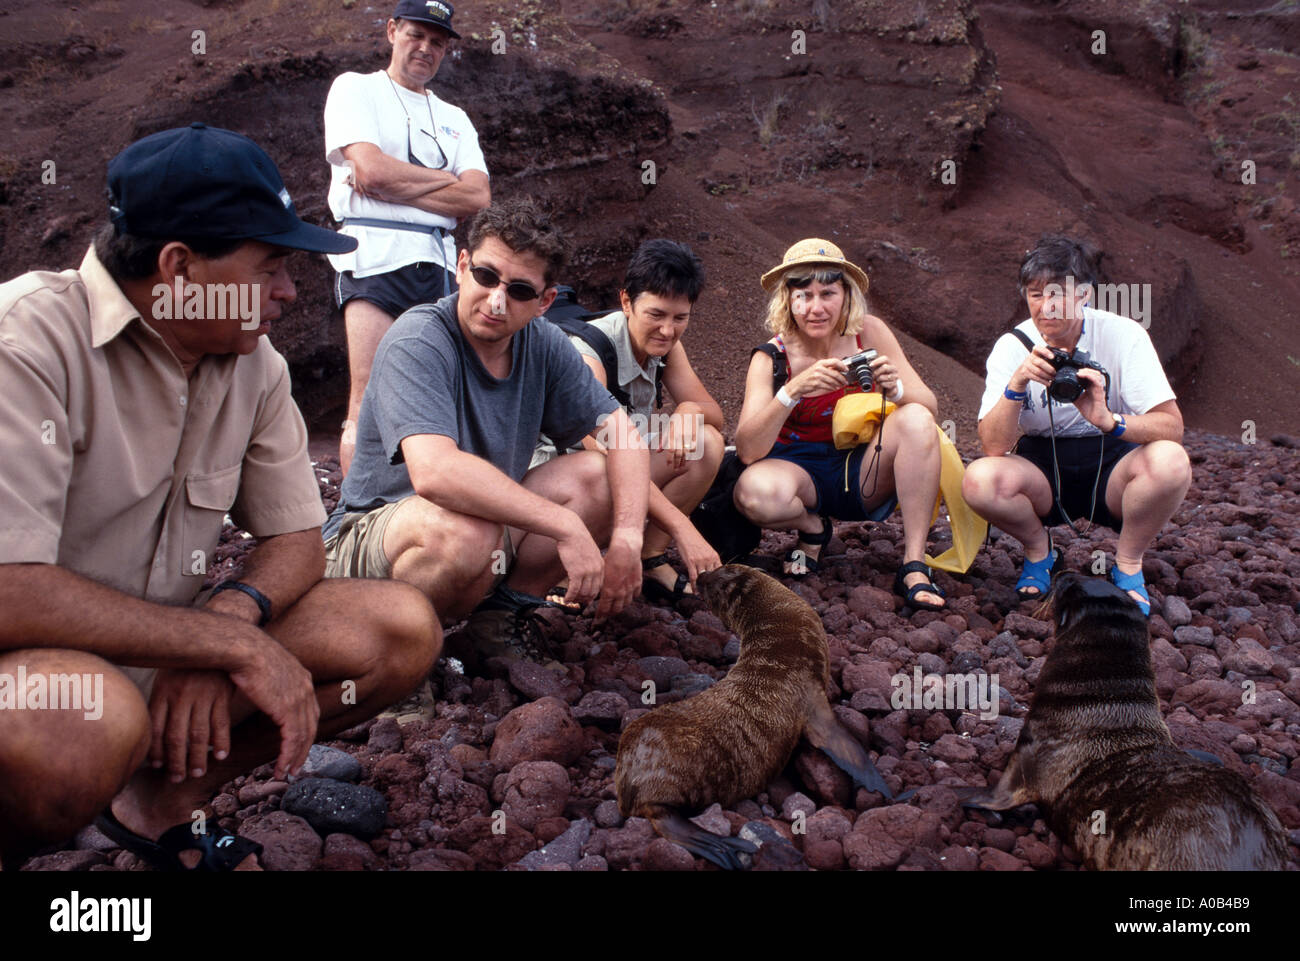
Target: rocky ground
pixel 515 770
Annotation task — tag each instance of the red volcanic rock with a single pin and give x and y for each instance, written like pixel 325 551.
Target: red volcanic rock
pixel 439 859
pixel 343 852
pixel 991 859
pixel 626 847
pixel 541 731
pixel 288 842
pixel 820 775
pixel 491 842
pixel 664 855
pixel 882 837
pixel 536 790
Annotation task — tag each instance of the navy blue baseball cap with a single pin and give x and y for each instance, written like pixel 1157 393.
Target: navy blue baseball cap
pixel 205 182
pixel 436 12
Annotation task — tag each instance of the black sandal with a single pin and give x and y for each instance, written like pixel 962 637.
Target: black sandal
pixel 222 851
pixel 810 565
pixel 654 590
pixel 926 587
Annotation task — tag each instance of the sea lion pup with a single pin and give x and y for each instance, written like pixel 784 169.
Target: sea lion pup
pixel 1095 752
pixel 730 741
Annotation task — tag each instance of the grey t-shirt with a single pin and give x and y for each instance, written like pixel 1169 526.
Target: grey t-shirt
pixel 426 379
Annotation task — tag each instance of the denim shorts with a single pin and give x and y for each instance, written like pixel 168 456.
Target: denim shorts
pixel 834 475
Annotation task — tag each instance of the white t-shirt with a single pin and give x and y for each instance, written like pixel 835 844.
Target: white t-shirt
pixel 371 108
pixel 1120 345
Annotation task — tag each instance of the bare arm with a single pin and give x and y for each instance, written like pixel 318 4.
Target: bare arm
pixel 688 391
pixel 284 568
pixel 761 414
pixel 466 484
pixel 659 508
pixel 876 334
pixel 375 174
pixel 82 615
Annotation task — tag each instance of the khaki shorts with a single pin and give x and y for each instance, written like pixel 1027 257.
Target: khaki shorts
pixel 357 548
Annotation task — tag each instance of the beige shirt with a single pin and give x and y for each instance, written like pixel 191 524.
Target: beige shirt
pixel 116 465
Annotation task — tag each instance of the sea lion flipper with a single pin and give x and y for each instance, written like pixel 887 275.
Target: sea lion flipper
pixel 824 732
pixel 724 852
pixel 1011 791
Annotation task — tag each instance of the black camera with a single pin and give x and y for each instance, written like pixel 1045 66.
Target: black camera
pixel 1066 387
pixel 860 368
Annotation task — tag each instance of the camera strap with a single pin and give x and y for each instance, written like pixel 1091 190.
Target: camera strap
pixel 1021 336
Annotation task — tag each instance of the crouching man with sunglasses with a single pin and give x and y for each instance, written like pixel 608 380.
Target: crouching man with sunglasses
pixel 440 494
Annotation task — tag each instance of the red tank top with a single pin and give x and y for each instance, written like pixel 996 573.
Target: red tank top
pixel 811 418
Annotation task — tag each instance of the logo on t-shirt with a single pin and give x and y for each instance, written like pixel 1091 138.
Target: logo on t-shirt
pixel 451 132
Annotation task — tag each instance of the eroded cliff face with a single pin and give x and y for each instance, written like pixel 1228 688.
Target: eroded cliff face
pixel 934 141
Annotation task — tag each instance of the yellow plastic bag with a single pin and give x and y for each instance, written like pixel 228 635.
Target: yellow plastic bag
pixel 856 420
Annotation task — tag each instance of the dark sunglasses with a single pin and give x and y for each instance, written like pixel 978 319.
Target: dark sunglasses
pixel 413 159
pixel 489 278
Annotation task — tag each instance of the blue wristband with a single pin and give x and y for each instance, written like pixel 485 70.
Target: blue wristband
pixel 1120 426
pixel 261 600
pixel 1010 394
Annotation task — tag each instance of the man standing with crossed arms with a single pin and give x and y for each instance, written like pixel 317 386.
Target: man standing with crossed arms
pixel 405 167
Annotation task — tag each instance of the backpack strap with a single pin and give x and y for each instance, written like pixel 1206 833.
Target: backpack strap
pixel 595 338
pixel 1021 336
pixel 780 370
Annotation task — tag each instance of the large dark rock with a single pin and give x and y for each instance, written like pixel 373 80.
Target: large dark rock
pixel 335 806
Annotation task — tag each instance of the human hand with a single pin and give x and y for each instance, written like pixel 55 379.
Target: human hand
pixel 1092 402
pixel 622 573
pixel 885 375
pixel 1037 367
pixel 281 688
pixel 681 440
pixel 189 712
pixel 583 564
pixel 697 554
pixel 821 378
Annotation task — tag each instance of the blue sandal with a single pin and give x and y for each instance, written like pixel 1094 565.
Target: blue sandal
pixel 1132 582
pixel 1039 574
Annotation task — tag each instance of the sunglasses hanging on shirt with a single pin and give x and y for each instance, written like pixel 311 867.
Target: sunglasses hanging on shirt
pixel 425 142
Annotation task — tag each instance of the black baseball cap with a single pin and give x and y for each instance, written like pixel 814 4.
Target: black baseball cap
pixel 436 12
pixel 205 182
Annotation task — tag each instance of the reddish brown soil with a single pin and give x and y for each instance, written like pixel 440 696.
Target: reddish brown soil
pixel 1143 157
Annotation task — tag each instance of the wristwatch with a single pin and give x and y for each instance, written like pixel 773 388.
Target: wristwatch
pixel 261 600
pixel 1119 426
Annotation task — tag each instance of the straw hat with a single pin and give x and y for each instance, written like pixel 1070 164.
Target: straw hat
pixel 814 251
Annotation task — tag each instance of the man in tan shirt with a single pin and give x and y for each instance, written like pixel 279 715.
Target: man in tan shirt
pixel 141 403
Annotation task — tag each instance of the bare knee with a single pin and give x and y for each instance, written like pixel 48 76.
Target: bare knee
pixel 459 544
pixel 407 634
pixel 979 483
pixel 58 768
pixel 1168 465
pixel 712 447
pixel 756 492
pixel 915 423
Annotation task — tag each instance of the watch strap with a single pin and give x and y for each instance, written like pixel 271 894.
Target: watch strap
pixel 261 600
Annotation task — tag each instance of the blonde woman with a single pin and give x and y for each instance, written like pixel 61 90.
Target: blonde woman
pixel 797 479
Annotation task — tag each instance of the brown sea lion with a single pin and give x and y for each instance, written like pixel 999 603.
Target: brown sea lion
pixel 730 741
pixel 1095 752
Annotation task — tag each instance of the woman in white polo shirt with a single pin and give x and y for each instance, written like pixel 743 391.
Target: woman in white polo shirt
pixel 1117 446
